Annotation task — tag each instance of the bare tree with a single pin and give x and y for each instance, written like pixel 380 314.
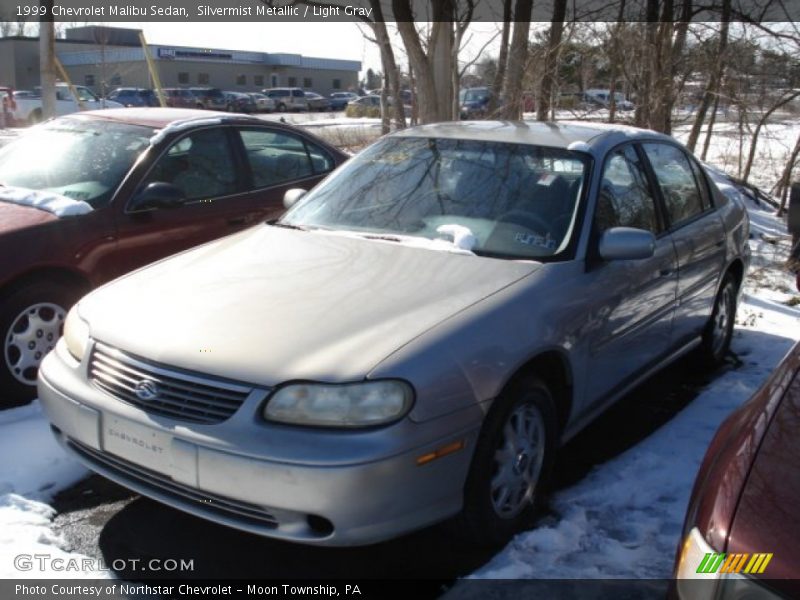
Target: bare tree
pixel 784 184
pixel 518 53
pixel 502 59
pixel 712 89
pixel 782 101
pixel 548 80
pixel 432 62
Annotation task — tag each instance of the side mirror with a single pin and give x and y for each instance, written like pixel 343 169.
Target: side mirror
pixel 626 243
pixel 291 197
pixel 158 195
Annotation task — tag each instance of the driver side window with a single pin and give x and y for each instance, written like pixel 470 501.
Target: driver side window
pixel 625 199
pixel 199 164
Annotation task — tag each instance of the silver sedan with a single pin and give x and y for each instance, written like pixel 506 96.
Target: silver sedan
pixel 412 341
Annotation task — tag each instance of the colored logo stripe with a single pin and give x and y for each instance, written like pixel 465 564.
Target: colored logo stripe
pixel 734 563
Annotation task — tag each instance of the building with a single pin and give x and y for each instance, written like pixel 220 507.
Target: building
pixel 103 58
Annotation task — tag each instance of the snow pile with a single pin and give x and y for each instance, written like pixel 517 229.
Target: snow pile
pixel 59 205
pixel 34 468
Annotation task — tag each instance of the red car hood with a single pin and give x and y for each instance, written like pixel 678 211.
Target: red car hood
pixel 15 216
pixel 767 519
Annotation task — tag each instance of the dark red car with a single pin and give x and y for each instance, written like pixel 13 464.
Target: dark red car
pixel 88 197
pixel 741 538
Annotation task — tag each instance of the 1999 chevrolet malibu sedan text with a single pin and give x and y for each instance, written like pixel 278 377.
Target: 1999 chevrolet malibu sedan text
pixel 413 340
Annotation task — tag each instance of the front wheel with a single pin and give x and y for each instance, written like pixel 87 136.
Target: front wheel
pixel 512 458
pixel 719 330
pixel 31 321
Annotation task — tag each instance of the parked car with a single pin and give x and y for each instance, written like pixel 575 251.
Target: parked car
pixel 239 102
pixel 263 103
pixel 287 98
pixel 365 106
pixel 339 100
pixel 29 108
pixel 209 98
pixel 413 340
pixel 474 102
pixel 134 97
pixel 179 98
pixel 602 98
pixel 317 102
pixel 741 537
pixel 77 209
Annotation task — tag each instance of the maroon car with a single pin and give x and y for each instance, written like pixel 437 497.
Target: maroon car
pixel 741 538
pixel 88 197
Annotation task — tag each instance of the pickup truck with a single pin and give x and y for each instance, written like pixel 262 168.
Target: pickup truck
pixel 29 109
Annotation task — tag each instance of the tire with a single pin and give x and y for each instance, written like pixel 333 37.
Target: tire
pixel 719 331
pixel 26 341
pixel 281 107
pixel 505 481
pixel 35 117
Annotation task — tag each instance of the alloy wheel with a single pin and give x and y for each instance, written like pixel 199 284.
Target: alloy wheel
pixel 32 334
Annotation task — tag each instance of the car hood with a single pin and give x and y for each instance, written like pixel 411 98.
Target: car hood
pixel 271 305
pixel 14 217
pixel 766 518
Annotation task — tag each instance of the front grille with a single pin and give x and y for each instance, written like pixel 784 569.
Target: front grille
pixel 147 480
pixel 177 394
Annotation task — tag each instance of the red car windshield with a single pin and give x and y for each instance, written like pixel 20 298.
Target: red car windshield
pixel 74 157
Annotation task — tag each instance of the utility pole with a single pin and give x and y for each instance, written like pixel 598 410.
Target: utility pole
pixel 47 59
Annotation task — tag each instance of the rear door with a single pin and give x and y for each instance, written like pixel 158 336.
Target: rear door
pixel 276 160
pixel 697 231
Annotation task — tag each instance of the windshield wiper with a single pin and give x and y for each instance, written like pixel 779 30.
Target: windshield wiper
pixel 289 226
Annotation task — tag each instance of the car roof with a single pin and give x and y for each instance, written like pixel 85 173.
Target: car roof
pixel 156 117
pixel 554 134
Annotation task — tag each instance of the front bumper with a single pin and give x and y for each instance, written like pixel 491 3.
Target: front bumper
pixel 318 486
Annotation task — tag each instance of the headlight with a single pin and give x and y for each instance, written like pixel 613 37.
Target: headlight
pixel 361 404
pixel 76 334
pixel 705 574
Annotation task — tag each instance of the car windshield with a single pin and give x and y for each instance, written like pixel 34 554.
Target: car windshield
pixel 476 95
pixel 509 200
pixel 74 157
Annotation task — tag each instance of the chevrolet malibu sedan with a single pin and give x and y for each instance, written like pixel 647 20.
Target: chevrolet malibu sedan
pixel 742 530
pixel 88 197
pixel 412 341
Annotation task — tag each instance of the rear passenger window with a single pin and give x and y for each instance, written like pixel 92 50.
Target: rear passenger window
pixel 275 157
pixel 625 198
pixel 676 179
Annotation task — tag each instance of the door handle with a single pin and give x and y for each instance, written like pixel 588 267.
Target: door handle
pixel 665 272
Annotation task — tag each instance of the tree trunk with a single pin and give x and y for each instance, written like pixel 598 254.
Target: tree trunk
pixel 390 70
pixel 433 70
pixel 551 60
pixel 615 56
pixel 761 122
pixel 518 52
pixel 786 176
pixel 710 131
pixel 502 60
pixel 712 89
pixel 47 61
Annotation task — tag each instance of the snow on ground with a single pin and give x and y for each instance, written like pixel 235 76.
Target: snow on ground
pixel 33 469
